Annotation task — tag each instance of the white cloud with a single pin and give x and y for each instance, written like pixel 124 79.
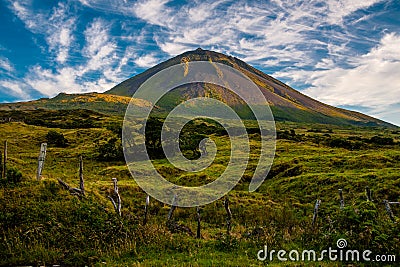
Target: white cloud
pixel 202 11
pixel 153 11
pixel 65 80
pixel 6 65
pixel 146 61
pixel 338 9
pixel 173 48
pixel 282 31
pixel 21 10
pixel 99 48
pixel 60 35
pixel 372 81
pixel 57 26
pixel 100 52
pixel 15 89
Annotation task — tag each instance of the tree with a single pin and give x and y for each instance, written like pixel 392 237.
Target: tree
pixel 110 150
pixel 57 139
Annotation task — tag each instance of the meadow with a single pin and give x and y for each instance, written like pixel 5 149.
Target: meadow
pixel 43 224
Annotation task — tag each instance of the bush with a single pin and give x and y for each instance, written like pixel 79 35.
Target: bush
pixel 344 143
pixel 110 150
pixel 13 176
pixel 57 139
pixel 378 140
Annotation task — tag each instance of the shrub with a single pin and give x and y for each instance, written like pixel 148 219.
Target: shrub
pixel 378 140
pixel 116 128
pixel 110 150
pixel 344 143
pixel 57 139
pixel 13 175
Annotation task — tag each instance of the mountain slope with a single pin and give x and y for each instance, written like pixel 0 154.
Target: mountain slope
pixel 286 103
pixel 108 104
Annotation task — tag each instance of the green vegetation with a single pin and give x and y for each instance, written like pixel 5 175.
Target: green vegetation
pixel 13 177
pixel 57 139
pixel 108 104
pixel 41 223
pixel 110 150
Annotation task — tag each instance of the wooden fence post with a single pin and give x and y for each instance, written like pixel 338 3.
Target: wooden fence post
pixel 81 182
pixel 76 191
pixel 198 235
pixel 146 209
pixel 316 207
pixel 173 207
pixel 5 160
pixel 41 159
pixel 341 199
pixel 117 204
pixel 174 226
pixel 389 210
pixel 229 217
pixel 368 193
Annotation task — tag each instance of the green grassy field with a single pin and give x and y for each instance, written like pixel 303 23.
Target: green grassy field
pixel 43 224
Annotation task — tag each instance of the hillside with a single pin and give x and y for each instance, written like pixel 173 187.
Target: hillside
pixel 107 104
pixel 43 224
pixel 286 103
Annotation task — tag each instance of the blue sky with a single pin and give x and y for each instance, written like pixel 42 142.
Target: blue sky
pixel 343 53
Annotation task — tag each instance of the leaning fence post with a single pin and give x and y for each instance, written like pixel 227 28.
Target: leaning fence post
pixel 229 217
pixel 389 210
pixel 198 222
pixel 146 208
pixel 341 199
pixel 368 193
pixel 77 191
pixel 174 226
pixel 5 160
pixel 117 204
pixel 173 207
pixel 316 207
pixel 41 159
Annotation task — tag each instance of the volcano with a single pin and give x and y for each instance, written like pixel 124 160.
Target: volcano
pixel 286 103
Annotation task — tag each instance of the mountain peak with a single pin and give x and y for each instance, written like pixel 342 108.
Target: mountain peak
pixel 286 103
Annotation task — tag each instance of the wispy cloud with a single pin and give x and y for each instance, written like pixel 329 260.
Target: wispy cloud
pixel 6 65
pixel 60 32
pixel 286 32
pixel 99 47
pixel 22 11
pixel 371 81
pixel 100 52
pixel 15 89
pixel 153 11
pixel 101 62
pixel 146 61
pixel 57 27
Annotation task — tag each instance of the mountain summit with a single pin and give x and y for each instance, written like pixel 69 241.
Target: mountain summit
pixel 286 103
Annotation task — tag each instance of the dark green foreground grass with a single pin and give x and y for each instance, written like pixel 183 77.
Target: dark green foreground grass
pixel 42 224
